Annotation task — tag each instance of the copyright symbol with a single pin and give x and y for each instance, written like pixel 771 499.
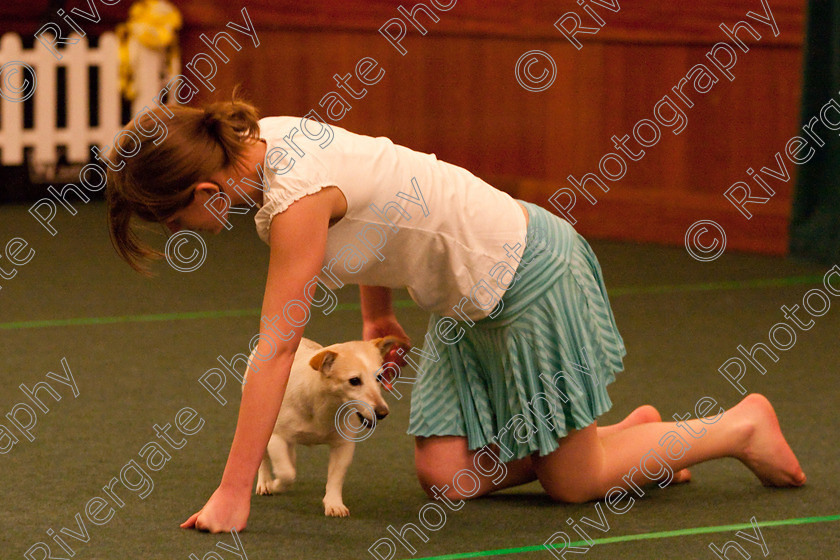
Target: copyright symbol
pixel 14 87
pixel 526 77
pixel 705 252
pixel 350 431
pixel 179 261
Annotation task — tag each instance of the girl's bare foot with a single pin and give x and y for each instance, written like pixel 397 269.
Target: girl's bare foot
pixel 766 452
pixel 642 415
pixel 681 476
pixel 645 414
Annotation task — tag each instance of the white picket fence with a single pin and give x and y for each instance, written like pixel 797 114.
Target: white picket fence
pixel 77 136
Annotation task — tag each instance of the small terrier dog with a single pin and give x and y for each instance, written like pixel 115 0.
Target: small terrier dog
pixel 324 381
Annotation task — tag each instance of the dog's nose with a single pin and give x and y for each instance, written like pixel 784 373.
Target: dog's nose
pixel 381 413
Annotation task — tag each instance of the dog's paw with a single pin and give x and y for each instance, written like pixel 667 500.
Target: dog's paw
pixel 268 487
pixel 336 509
pixel 264 488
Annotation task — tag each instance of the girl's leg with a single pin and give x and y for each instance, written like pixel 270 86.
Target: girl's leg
pixel 585 467
pixel 439 458
pixel 642 415
pixel 645 414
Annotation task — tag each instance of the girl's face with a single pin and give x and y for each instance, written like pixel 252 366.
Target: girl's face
pixel 199 215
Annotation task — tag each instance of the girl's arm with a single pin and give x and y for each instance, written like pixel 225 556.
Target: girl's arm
pixel 298 239
pixel 378 318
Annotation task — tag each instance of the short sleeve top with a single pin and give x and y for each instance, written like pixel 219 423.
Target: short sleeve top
pixel 412 221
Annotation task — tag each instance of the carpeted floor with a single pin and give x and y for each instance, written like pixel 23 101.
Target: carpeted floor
pixel 136 348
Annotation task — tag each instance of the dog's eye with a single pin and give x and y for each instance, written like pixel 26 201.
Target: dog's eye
pixel 355 381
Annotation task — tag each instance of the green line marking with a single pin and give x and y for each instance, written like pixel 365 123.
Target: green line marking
pixel 716 286
pixel 82 321
pixel 639 537
pixel 614 292
pixel 85 321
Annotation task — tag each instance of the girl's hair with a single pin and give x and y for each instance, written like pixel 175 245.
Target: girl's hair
pixel 157 181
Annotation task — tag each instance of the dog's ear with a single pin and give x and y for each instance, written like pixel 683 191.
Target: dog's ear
pixel 388 343
pixel 323 360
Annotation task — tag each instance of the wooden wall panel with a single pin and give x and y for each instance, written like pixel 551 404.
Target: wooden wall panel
pixel 635 22
pixel 454 94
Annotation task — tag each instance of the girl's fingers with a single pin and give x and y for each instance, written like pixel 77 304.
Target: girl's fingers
pixel 395 355
pixel 190 523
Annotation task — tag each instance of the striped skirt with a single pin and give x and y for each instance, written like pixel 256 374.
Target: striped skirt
pixel 536 370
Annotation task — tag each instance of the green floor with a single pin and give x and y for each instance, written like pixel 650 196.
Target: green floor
pixel 136 367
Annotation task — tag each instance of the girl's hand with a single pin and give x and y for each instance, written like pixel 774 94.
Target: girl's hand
pixel 378 319
pixel 382 327
pixel 225 510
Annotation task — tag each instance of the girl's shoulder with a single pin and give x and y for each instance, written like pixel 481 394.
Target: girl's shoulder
pixel 277 126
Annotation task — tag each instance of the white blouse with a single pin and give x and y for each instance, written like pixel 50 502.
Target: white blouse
pixel 412 221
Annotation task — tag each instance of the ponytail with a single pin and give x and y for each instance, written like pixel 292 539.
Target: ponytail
pixel 231 123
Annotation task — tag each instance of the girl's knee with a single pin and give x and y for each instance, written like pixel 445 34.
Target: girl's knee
pixel 429 478
pixel 572 472
pixel 438 460
pixel 438 487
pixel 571 488
pixel 570 494
pixel 436 479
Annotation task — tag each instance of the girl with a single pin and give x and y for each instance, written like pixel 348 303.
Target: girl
pixel 354 209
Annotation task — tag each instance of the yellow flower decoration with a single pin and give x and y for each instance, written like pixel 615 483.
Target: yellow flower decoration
pixel 154 24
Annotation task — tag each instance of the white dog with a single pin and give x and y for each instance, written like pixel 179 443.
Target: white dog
pixel 321 381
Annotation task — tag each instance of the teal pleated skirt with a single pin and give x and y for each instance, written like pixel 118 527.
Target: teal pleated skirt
pixel 540 367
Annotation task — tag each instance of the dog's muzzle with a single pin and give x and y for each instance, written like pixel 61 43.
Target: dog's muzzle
pixel 365 422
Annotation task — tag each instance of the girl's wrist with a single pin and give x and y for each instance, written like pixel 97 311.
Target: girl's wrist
pixel 375 303
pixel 381 319
pixel 236 485
pixel 236 479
